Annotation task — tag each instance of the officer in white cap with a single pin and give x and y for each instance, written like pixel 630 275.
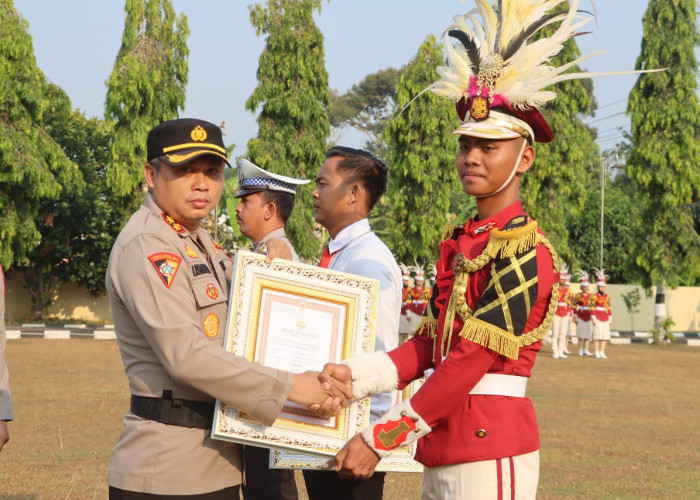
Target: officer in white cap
pixel 267 201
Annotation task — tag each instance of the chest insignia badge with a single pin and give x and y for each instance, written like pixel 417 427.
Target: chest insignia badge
pixel 212 291
pixel 211 325
pixel 190 252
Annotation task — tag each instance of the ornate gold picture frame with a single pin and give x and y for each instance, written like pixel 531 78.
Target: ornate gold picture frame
pixel 296 317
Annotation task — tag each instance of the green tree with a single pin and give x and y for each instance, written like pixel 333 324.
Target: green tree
pixel 553 189
pixel 146 87
pixel 632 300
pixel 583 229
pixel 77 229
pixel 367 107
pixel 33 167
pixel 292 95
pixel 663 162
pixel 421 159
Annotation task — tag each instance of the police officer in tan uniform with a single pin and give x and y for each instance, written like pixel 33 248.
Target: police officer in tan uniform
pixel 5 401
pixel 168 286
pixel 267 200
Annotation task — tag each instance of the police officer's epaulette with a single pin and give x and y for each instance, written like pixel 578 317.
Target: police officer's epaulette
pixel 175 225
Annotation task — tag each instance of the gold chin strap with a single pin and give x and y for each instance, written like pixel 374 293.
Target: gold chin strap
pixel 510 177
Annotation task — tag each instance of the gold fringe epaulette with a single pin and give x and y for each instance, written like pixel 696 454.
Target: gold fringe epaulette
pixel 506 243
pixel 448 231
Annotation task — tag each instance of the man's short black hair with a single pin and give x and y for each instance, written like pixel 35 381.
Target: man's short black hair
pixel 360 165
pixel 283 201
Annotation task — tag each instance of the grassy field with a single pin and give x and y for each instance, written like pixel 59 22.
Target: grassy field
pixel 626 427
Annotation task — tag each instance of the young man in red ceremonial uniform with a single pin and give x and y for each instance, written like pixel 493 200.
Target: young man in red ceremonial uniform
pixel 496 289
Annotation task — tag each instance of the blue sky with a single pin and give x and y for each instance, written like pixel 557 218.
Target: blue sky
pixel 76 42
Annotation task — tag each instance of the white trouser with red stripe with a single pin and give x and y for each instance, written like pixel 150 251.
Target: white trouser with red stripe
pixel 507 478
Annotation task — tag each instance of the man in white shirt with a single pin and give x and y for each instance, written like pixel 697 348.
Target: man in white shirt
pixel 348 185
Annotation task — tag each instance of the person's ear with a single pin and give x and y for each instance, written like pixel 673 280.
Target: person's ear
pixel 355 193
pixel 149 173
pixel 527 158
pixel 269 210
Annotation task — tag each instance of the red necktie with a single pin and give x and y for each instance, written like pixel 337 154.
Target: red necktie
pixel 325 258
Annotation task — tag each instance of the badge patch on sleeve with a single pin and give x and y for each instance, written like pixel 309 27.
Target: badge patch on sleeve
pixel 212 291
pixel 211 325
pixel 166 264
pixel 392 433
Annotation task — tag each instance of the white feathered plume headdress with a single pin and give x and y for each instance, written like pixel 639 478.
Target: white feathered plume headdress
pixel 420 273
pixel 601 277
pixel 498 76
pixel 582 276
pixel 405 271
pixel 564 270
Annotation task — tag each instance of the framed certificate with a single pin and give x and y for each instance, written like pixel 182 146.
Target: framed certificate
pixel 297 317
pixel 399 461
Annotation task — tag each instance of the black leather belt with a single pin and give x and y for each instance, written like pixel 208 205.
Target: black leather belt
pixel 181 412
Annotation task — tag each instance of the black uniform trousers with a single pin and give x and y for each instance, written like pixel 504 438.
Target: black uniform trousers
pixel 263 483
pixel 326 485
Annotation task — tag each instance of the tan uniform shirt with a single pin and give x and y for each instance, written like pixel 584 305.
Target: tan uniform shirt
pixel 168 290
pixel 280 235
pixel 5 401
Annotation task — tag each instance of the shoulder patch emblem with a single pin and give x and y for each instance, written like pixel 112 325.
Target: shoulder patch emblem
pixel 167 265
pixel 212 291
pixel 210 326
pixel 177 227
pixel 190 252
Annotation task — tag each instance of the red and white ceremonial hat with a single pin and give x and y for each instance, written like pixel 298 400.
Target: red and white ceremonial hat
pixel 498 76
pixel 600 277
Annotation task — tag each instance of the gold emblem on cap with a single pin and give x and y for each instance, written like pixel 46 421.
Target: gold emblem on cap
pixel 480 108
pixel 198 134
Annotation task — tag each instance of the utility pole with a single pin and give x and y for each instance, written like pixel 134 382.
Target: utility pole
pixel 603 168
